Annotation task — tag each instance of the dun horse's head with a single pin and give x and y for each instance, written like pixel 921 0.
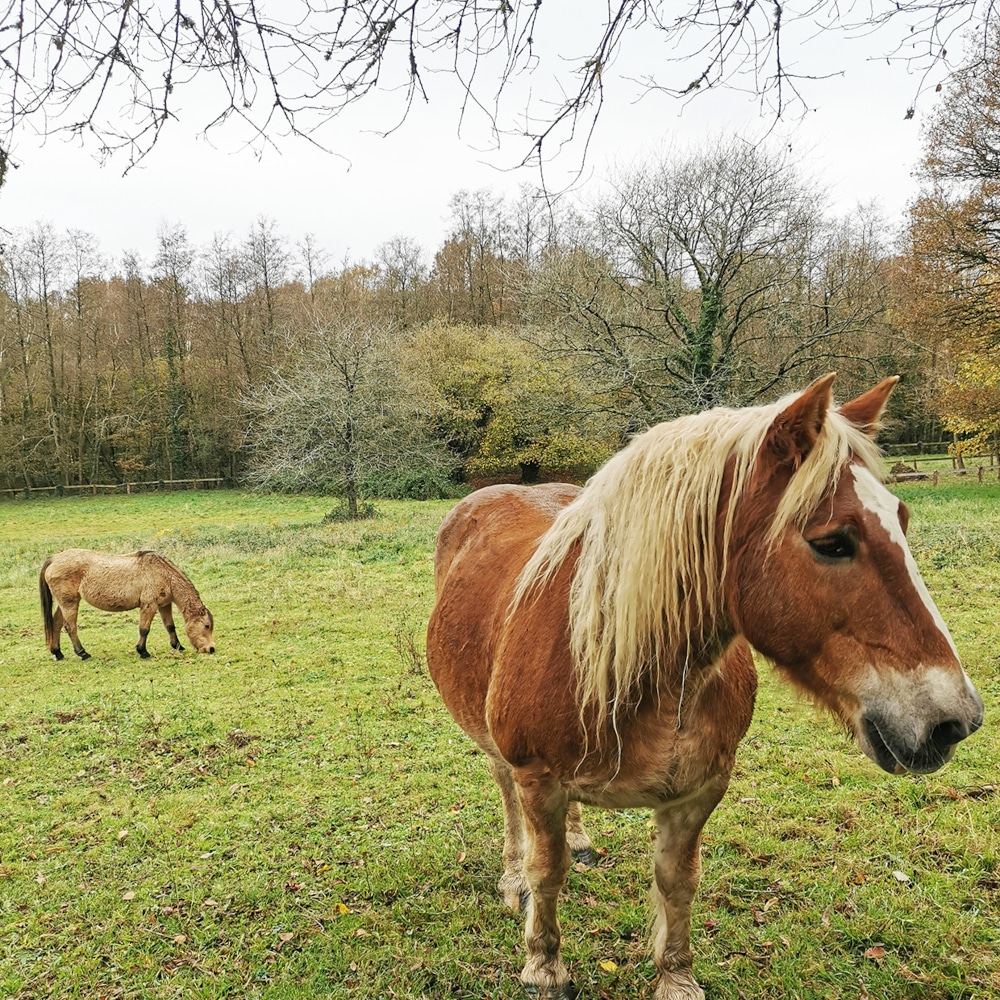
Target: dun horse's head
pixel 199 627
pixel 833 596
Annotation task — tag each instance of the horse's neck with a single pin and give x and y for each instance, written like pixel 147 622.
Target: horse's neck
pixel 186 597
pixel 690 660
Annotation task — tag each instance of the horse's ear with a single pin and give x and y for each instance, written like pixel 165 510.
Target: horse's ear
pixel 865 412
pixel 795 430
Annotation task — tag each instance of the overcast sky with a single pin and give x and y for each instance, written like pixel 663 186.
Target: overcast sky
pixel 855 141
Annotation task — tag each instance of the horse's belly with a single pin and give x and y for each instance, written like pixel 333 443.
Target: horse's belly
pixel 109 598
pixel 482 546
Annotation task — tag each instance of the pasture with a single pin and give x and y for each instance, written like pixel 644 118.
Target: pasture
pixel 298 816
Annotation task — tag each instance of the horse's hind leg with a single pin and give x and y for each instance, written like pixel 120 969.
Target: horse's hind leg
pixel 677 871
pixel 546 863
pixel 513 888
pixel 67 613
pixel 57 627
pixel 580 846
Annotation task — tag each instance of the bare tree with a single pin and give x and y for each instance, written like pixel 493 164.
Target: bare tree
pixel 702 283
pixel 116 73
pixel 339 418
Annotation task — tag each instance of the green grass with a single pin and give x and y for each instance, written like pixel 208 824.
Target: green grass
pixel 297 816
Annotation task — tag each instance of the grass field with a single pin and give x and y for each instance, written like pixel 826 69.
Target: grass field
pixel 297 816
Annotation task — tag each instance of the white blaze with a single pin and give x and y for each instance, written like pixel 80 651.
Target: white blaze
pixel 877 499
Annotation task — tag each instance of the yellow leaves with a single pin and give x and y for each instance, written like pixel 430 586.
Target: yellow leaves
pixel 608 965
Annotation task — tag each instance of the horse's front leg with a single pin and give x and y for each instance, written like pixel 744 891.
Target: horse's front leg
pixel 677 871
pixel 546 863
pixel 167 616
pixel 146 612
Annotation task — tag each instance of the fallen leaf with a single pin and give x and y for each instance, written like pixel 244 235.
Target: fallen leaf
pixel 608 966
pixel 180 939
pixel 876 953
pixel 122 834
pixel 900 876
pixel 341 909
pixel 128 895
pixel 286 936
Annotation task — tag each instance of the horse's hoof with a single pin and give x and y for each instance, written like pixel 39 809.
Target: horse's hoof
pixel 83 654
pixel 143 654
pixel 57 654
pixel 567 991
pixel 586 857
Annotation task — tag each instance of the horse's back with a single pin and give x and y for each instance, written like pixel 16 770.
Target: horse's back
pixel 497 516
pixel 106 580
pixel 482 546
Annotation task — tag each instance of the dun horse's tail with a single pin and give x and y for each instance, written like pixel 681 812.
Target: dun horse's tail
pixel 46 596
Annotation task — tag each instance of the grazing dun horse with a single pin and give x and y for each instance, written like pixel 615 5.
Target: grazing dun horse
pixel 143 580
pixel 596 642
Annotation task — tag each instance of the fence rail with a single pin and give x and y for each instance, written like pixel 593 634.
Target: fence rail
pixel 93 489
pixel 979 471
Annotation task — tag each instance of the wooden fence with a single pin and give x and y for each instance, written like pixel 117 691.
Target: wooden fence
pixel 93 489
pixel 897 475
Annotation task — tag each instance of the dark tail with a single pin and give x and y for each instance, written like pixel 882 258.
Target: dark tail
pixel 46 596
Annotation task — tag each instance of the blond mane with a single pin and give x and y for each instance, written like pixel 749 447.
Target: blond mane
pixel 647 591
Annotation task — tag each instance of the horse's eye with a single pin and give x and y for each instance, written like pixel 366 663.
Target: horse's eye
pixel 834 548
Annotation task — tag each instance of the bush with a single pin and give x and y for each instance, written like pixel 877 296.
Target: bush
pixel 340 512
pixel 419 482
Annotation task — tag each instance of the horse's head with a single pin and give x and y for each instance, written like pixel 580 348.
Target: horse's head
pixel 200 626
pixel 833 596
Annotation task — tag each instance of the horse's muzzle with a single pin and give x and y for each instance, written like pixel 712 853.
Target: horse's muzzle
pixel 894 752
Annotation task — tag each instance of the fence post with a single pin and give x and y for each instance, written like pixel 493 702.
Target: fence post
pixel 937 476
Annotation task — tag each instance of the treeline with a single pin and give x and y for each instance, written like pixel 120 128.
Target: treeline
pixel 536 339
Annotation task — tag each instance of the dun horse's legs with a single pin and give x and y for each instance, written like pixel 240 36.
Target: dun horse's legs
pixel 167 615
pixel 512 885
pixel 65 615
pixel 546 863
pixel 576 836
pixel 677 870
pixel 146 612
pixel 57 627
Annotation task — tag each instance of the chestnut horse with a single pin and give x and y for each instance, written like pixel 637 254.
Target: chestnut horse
pixel 596 643
pixel 143 580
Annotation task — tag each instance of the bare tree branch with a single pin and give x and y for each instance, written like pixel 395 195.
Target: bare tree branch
pixel 112 72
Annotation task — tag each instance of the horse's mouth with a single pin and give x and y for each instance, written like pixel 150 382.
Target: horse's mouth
pixel 924 760
pixel 879 751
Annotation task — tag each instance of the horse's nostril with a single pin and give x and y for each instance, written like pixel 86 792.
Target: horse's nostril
pixel 947 734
